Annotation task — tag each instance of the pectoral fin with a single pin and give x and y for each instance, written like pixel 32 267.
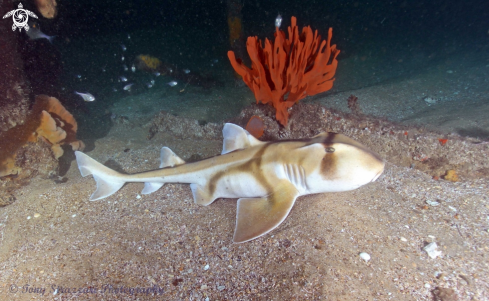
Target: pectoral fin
pixel 258 216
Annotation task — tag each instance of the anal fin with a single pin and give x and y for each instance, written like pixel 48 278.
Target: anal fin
pixel 150 187
pixel 258 216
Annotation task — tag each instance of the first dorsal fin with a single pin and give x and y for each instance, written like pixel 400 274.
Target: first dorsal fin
pixel 235 137
pixel 168 158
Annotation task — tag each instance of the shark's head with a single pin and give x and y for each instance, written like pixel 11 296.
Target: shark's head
pixel 340 164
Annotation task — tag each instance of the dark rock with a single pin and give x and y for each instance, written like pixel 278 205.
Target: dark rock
pixel 444 294
pixel 6 198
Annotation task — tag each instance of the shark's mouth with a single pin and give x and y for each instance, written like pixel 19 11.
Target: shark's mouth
pixel 377 175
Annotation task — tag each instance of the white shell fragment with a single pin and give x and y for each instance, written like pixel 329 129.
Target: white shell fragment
pixel 365 256
pixel 432 251
pixel 430 100
pixel 432 203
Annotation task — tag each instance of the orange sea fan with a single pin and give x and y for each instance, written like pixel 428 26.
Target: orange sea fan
pixel 290 69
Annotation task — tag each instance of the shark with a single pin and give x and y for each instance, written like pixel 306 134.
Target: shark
pixel 265 177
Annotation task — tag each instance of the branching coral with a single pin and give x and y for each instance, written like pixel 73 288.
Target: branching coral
pixel 52 133
pixel 290 69
pixel 48 120
pixel 62 117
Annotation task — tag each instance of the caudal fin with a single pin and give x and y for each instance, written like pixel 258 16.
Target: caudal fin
pixel 50 38
pixel 108 180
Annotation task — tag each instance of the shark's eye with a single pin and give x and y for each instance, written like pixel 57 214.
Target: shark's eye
pixel 329 150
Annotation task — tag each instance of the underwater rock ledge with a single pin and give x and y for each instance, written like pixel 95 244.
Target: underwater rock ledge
pixel 184 128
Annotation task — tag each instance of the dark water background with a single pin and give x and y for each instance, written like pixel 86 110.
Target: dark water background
pixel 194 34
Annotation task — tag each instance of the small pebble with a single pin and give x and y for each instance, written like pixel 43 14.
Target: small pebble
pixel 221 287
pixel 36 215
pixel 206 267
pixel 403 239
pixel 138 196
pixel 365 256
pixel 73 215
pixel 203 287
pixel 427 285
pixel 29 217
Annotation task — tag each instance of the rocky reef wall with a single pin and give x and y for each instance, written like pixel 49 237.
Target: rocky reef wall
pixel 14 91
